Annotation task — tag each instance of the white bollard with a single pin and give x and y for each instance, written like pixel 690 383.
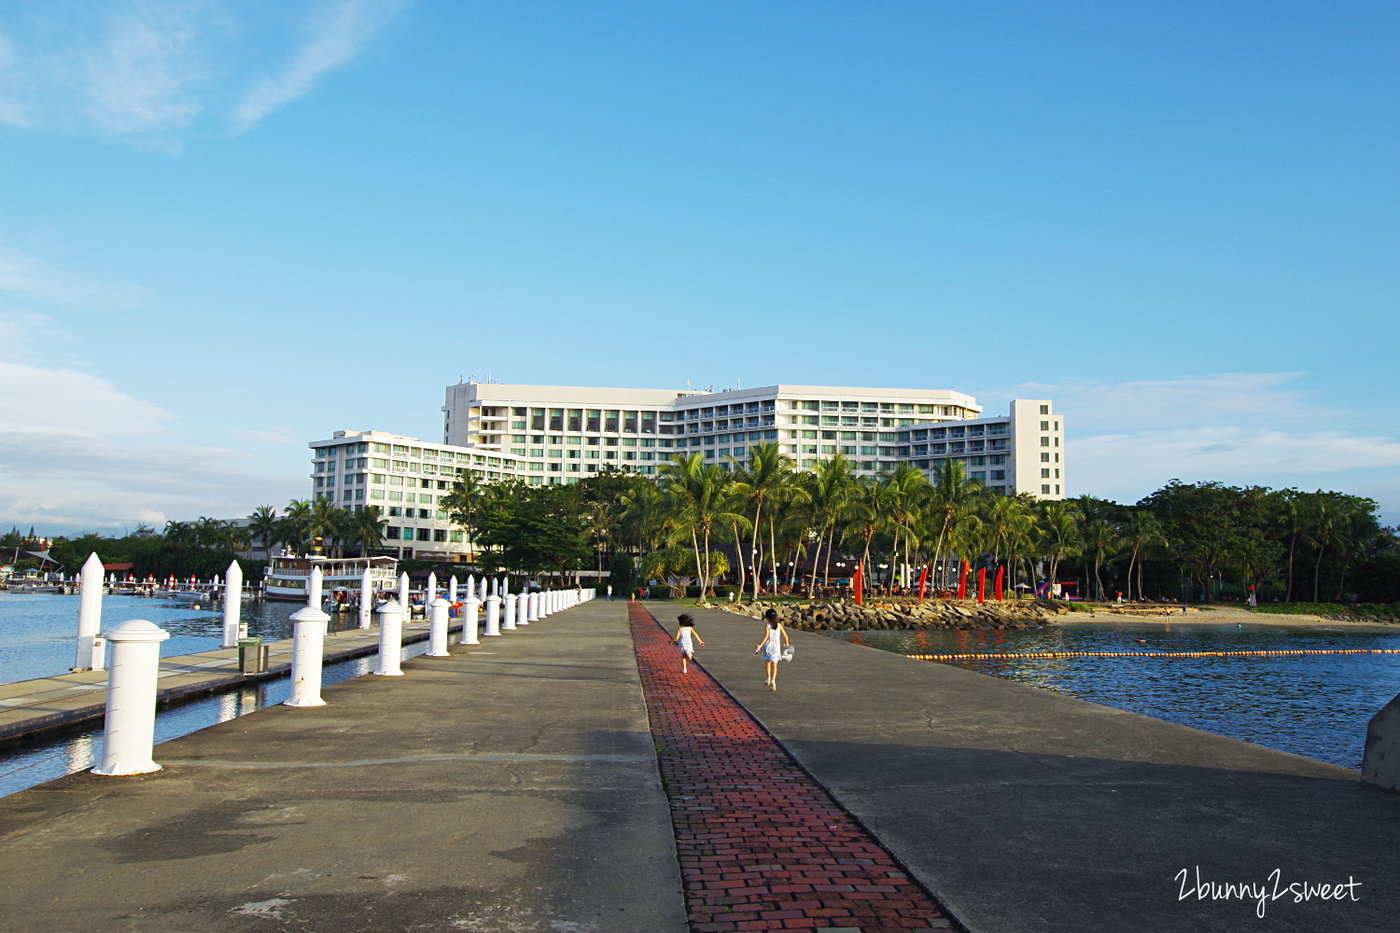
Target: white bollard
pixel 452 589
pixel 403 594
pixel 89 612
pixel 233 603
pixel 390 638
pixel 437 632
pixel 522 610
pixel 129 731
pixel 471 621
pixel 493 616
pixel 308 644
pixel 432 590
pixel 508 611
pixel 366 598
pixel 534 607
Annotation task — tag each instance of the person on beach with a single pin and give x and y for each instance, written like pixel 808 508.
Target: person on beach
pixel 685 640
pixel 774 640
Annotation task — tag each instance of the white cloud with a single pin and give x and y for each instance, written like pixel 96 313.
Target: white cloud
pixel 1127 439
pixel 76 452
pixel 30 277
pixel 338 34
pixel 148 69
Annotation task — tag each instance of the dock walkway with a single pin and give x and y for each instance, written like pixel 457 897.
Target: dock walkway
pixel 515 787
pixel 29 708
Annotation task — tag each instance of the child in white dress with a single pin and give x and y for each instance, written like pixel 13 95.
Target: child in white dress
pixel 774 640
pixel 685 638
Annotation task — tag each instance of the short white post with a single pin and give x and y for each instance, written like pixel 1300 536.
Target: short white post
pixel 390 638
pixel 452 588
pixel 403 594
pixel 130 726
pixel 470 620
pixel 308 643
pixel 507 608
pixel 493 613
pixel 89 612
pixel 483 589
pixel 533 607
pixel 522 610
pixel 233 603
pixel 437 631
pixel 366 598
pixel 432 589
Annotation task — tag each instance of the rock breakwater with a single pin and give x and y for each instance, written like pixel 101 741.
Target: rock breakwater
pixel 898 615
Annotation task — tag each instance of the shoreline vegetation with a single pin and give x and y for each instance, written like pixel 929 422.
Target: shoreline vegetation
pixel 755 526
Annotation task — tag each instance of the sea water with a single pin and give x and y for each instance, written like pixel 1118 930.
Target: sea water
pixel 39 631
pixel 1314 705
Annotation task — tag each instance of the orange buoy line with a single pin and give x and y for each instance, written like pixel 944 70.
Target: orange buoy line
pixel 1016 655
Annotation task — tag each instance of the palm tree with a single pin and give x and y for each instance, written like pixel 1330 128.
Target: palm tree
pixel 952 500
pixel 1142 532
pixel 1322 531
pixel 367 532
pixel 1289 520
pixel 826 489
pixel 294 529
pixel 909 494
pixel 599 523
pixel 1061 536
pixel 767 473
pixel 324 522
pixel 868 511
pixel 700 498
pixel 262 525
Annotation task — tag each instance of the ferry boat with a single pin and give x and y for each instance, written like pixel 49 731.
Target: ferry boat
pixel 287 576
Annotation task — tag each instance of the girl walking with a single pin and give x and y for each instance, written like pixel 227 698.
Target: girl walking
pixel 774 640
pixel 685 637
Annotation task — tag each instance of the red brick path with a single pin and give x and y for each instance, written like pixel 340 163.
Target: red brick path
pixel 762 846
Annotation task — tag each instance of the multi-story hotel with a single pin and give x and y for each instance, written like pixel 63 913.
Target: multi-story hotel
pixel 559 434
pixel 566 432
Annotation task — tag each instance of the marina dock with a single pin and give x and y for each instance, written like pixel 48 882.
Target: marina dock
pixel 515 786
pixel 30 708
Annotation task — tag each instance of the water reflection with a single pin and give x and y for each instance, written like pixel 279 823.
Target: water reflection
pixel 1313 705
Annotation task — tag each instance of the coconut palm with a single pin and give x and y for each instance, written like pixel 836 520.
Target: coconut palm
pixel 262 525
pixel 1141 533
pixel 367 531
pixel 768 473
pixel 1061 536
pixel 868 511
pixel 700 496
pixel 826 489
pixel 951 502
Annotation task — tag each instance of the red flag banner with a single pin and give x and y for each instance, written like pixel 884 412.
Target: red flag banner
pixel 923 578
pixel 981 585
pixel 999 572
pixel 855 584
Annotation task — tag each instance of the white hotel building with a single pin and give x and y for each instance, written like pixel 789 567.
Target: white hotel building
pixel 559 434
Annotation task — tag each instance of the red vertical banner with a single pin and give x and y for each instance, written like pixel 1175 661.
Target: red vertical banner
pixel 856 585
pixel 981 585
pixel 962 582
pixel 923 578
pixel 998 587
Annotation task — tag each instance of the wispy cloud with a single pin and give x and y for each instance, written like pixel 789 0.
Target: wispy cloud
pixel 76 452
pixel 148 69
pixel 30 277
pixel 1127 439
pixel 339 32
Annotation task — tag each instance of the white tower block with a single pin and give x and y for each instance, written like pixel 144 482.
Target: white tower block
pixel 89 613
pixel 233 603
pixel 437 633
pixel 308 642
pixel 390 638
pixel 130 725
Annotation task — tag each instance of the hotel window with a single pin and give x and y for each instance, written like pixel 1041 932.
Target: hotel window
pixel 346 496
pixel 424 534
pixel 376 494
pixel 610 422
pixel 391 533
pixel 999 475
pixel 1045 473
pixel 456 537
pixel 440 534
pixel 1044 458
pixel 1045 410
pixel 349 479
pixel 1045 490
pixel 1045 442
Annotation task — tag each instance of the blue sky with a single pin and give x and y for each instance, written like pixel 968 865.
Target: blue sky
pixel 229 228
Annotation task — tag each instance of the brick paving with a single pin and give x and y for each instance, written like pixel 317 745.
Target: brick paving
pixel 762 846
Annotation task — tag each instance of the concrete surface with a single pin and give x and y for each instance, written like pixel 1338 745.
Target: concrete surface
pixel 1380 764
pixel 510 787
pixel 1024 810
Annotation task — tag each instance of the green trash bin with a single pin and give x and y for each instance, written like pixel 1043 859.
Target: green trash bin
pixel 252 657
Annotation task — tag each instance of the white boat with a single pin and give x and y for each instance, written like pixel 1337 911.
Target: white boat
pixel 287 576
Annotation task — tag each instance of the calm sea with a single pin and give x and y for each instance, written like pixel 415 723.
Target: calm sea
pixel 37 633
pixel 1312 705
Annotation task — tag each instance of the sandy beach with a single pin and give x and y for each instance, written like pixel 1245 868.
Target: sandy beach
pixel 1219 616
